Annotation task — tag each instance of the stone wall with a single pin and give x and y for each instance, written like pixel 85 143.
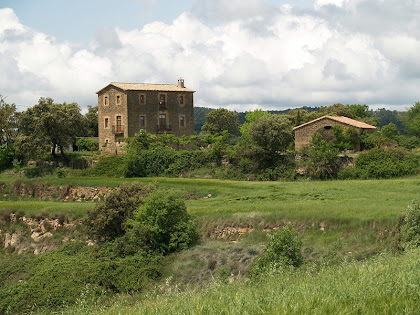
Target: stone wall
pixel 130 109
pixel 304 134
pixel 108 141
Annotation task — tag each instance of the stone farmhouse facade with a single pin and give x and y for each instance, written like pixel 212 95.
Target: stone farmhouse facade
pixel 304 132
pixel 126 108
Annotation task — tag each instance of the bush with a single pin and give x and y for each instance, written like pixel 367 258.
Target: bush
pixel 87 144
pixel 108 220
pixel 410 228
pixel 108 166
pixel 380 163
pixel 321 158
pixel 163 224
pixel 283 249
pixel 60 277
pixel 152 162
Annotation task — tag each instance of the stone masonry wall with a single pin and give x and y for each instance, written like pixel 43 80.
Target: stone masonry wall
pixel 304 135
pixel 130 109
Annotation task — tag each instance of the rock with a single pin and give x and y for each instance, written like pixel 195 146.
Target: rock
pixel 7 239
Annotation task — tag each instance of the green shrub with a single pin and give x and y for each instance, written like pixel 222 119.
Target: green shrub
pixel 380 163
pixel 108 220
pixel 283 249
pixel 321 158
pixel 152 162
pixel 33 172
pixel 107 166
pixel 60 277
pixel 87 144
pixel 410 228
pixel 163 224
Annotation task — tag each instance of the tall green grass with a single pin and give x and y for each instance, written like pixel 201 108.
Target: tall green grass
pixel 301 200
pixel 384 285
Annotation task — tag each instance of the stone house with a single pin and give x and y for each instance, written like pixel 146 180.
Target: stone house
pixel 304 132
pixel 126 108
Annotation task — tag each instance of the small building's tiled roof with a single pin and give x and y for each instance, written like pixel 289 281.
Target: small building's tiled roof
pixel 342 119
pixel 148 87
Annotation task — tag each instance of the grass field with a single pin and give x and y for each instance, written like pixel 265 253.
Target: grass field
pixel 301 200
pixel 386 284
pixel 343 271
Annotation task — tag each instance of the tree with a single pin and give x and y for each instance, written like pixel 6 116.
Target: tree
pixel 91 118
pixel 321 158
pixel 109 219
pixel 48 125
pixel 412 120
pixel 337 109
pixel 221 119
pixel 8 122
pixel 359 111
pixel 251 117
pixel 269 136
pixel 390 131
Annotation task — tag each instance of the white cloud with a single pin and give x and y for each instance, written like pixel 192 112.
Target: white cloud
pixel 245 58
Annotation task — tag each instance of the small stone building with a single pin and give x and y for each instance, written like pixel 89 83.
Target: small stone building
pixel 304 132
pixel 126 108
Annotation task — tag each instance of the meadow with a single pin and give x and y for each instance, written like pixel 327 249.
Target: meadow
pixel 347 228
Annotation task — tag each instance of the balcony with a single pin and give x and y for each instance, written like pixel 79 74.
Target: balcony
pixel 164 128
pixel 118 129
pixel 162 105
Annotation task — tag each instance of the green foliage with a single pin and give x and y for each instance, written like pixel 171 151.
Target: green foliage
pixel 108 166
pixel 252 117
pixel 109 219
pixel 163 224
pixel 8 122
pixel 60 277
pixel 283 249
pixel 91 119
pixel 47 125
pixel 380 163
pixel 269 137
pixel 410 228
pixel 220 120
pixel 321 158
pixel 151 162
pixel 6 157
pixel 412 120
pixel 84 144
pixel 390 131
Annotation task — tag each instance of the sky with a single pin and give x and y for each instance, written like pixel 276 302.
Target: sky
pixel 236 54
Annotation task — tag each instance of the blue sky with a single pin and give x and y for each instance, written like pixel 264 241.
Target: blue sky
pixel 236 54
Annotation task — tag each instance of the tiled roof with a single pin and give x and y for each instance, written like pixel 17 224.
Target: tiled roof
pixel 342 119
pixel 147 87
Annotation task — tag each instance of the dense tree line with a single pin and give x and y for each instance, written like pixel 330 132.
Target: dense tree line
pixel 44 127
pixel 257 144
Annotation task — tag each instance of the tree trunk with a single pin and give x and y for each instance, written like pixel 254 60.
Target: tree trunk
pixel 53 151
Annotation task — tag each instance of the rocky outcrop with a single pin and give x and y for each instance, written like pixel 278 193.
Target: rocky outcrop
pixel 37 237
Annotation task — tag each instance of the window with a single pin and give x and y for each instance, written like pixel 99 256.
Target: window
pixel 181 100
pixel 162 101
pixel 142 99
pixel 106 123
pixel 119 124
pixel 106 100
pixel 118 100
pixel 142 121
pixel 182 121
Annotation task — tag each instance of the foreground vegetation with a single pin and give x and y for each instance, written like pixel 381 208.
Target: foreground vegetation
pixel 341 225
pixel 386 284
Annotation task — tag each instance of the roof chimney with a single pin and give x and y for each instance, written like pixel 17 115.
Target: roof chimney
pixel 181 83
